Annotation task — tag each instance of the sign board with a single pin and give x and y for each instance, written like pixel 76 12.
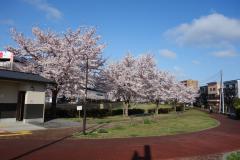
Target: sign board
pixel 79 108
pixel 6 55
pixel 101 106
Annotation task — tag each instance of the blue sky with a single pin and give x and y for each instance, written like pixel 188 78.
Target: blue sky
pixel 193 39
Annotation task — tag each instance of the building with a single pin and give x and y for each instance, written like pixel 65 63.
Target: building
pixel 22 96
pixel 203 97
pixel 231 91
pixel 191 83
pixel 233 85
pixel 214 95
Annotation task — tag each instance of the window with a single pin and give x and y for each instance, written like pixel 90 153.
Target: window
pixel 214 89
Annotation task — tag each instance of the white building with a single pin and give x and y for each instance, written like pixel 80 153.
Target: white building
pixel 22 96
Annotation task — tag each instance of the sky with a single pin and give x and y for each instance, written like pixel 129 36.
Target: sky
pixel 192 39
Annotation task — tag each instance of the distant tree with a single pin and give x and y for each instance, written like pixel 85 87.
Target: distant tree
pixel 189 96
pixel 229 97
pixel 236 105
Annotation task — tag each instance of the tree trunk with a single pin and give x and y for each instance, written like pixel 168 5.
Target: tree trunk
pixel 54 103
pixel 183 107
pixel 123 109
pixel 157 106
pixel 175 105
pixel 126 108
pixel 110 108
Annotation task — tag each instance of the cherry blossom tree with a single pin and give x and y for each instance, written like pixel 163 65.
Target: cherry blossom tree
pixel 188 96
pixel 153 82
pixel 61 57
pixel 123 81
pixel 138 79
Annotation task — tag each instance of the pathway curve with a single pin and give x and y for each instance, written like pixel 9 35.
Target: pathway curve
pixel 49 145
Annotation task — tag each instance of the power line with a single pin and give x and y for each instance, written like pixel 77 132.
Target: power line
pixel 214 77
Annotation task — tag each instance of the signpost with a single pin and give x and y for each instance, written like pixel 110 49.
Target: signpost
pixel 6 57
pixel 79 108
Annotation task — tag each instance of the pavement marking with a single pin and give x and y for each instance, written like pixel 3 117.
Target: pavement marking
pixel 18 133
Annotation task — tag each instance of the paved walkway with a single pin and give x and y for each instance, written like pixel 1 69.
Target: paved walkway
pixel 19 126
pixel 56 144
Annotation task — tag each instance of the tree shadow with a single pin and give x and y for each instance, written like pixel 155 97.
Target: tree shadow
pixel 147 154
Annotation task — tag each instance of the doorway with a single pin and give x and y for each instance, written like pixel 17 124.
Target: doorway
pixel 20 105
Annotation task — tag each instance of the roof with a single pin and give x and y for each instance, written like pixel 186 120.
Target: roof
pixel 212 83
pixel 23 76
pixel 231 81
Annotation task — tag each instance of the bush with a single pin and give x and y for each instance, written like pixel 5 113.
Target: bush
pixel 117 112
pixel 236 105
pixel 102 130
pixel 71 113
pixel 179 108
pixel 237 110
pixel 135 111
pixel 234 156
pixel 160 110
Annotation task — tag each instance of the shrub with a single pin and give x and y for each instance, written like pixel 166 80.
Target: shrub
pixel 146 121
pixel 117 112
pixel 234 156
pixel 135 111
pixel 160 110
pixel 236 105
pixel 102 130
pixel 237 110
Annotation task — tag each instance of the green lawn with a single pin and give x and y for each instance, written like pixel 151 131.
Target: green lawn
pixel 164 124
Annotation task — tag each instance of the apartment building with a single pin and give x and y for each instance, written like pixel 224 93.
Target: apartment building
pixel 214 95
pixel 191 83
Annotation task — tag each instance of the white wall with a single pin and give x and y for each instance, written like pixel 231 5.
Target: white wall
pixel 35 97
pixel 238 88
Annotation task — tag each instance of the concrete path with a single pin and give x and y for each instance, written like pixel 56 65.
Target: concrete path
pixel 19 126
pixel 57 144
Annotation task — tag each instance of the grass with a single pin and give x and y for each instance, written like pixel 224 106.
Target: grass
pixel 168 124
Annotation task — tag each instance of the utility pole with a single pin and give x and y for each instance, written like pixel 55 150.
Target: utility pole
pixel 221 104
pixel 223 108
pixel 85 99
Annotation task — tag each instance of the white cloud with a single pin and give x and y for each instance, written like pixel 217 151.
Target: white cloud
pixel 195 62
pixel 9 22
pixel 167 53
pixel 224 53
pixel 214 30
pixel 51 12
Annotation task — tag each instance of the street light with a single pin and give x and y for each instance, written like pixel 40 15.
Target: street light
pixel 85 97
